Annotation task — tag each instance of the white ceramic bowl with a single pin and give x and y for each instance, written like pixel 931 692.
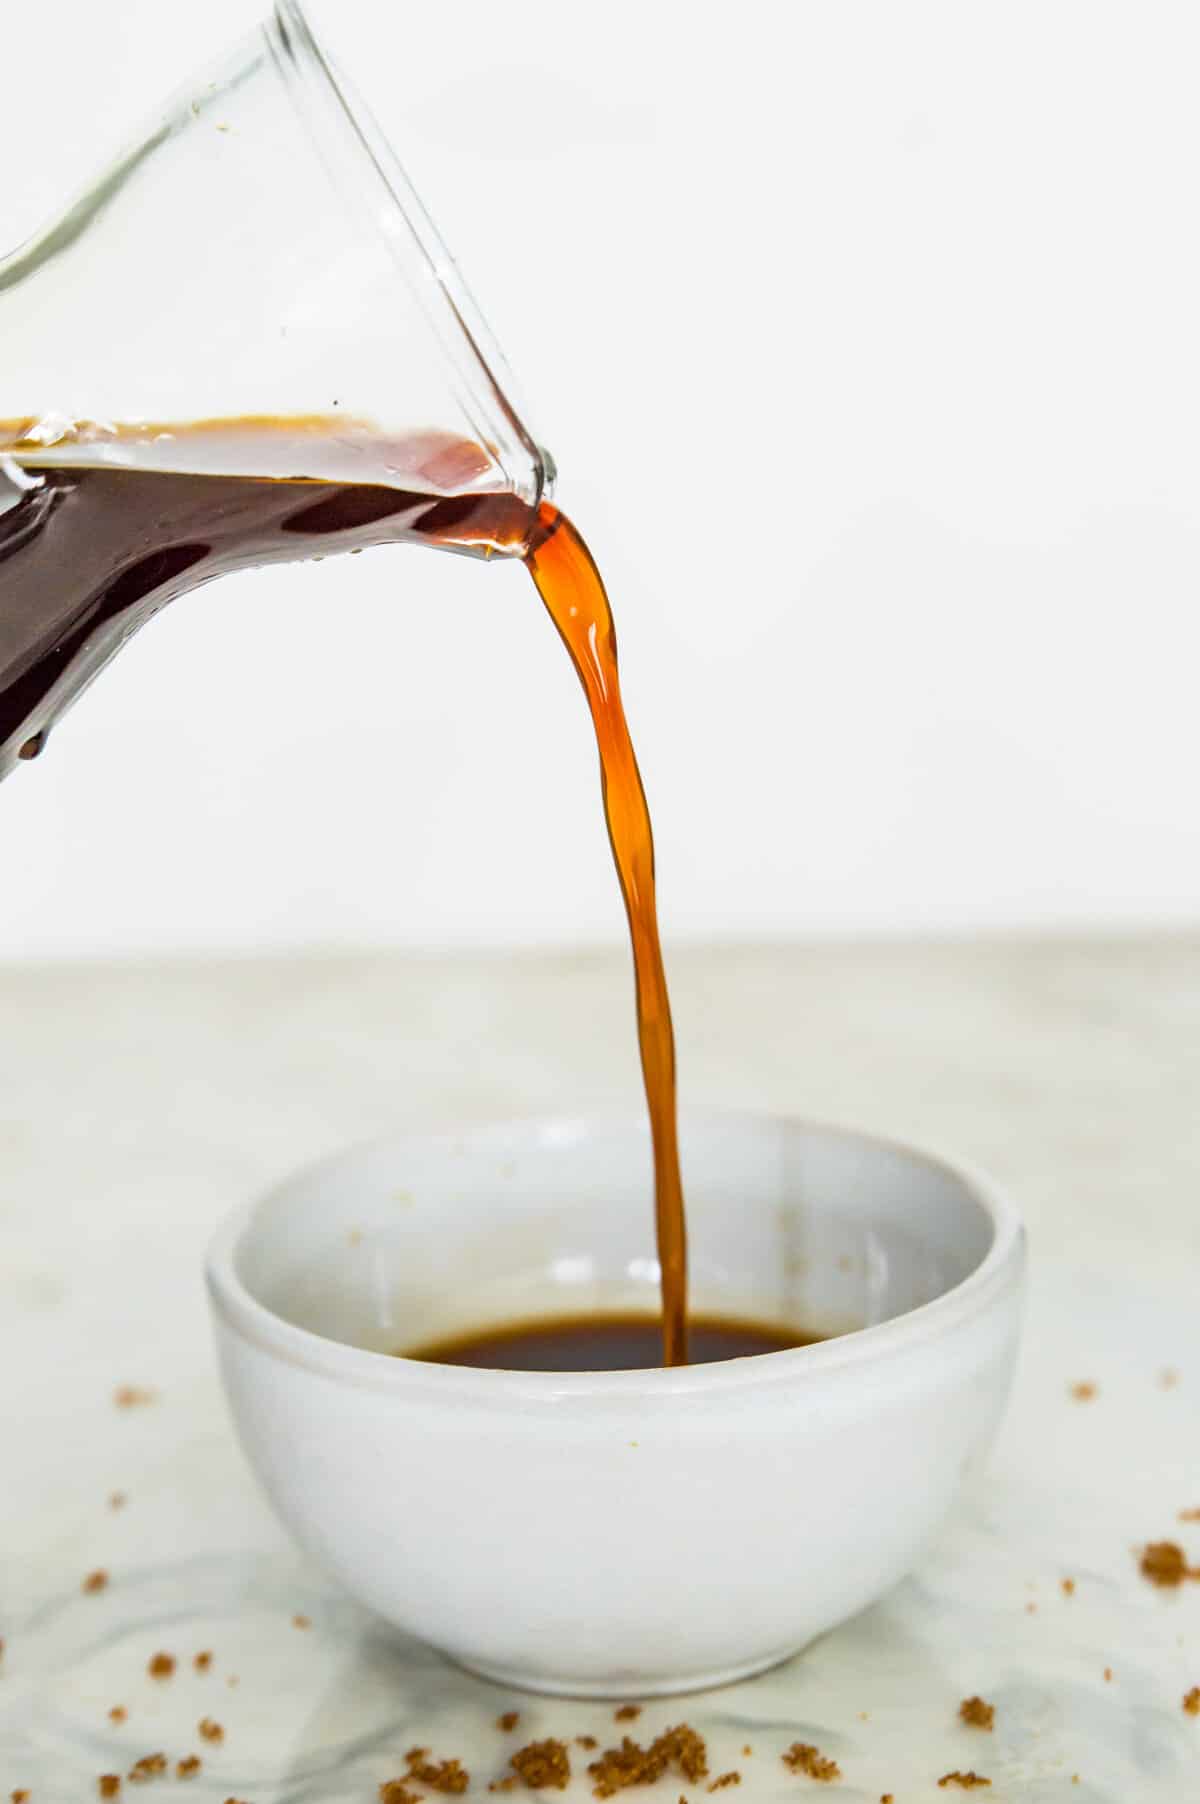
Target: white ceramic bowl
pixel 629 1533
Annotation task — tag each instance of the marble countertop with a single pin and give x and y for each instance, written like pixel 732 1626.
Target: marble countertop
pixel 138 1103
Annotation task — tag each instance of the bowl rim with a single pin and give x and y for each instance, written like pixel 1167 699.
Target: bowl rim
pixel 1000 1270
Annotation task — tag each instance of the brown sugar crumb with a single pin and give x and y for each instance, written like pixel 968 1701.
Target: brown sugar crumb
pixel 394 1791
pixel 1031 1609
pixel 188 1767
pixel 117 1714
pixel 1068 1587
pixel 161 1666
pixel 586 1741
pixel 1191 1701
pixel 688 1751
pixel 747 1750
pixel 95 1581
pixel 150 1766
pixel 20 1796
pixel 1168 1378
pixel 631 1764
pixel 133 1396
pixel 1108 1675
pixel 976 1714
pixel 202 1661
pixel 887 1798
pixel 508 1721
pixel 724 1779
pixel 441 1775
pixel 301 1622
pixel 1164 1563
pixel 509 1784
pixel 117 1500
pixel 1189 1515
pixel 966 1781
pixel 543 1765
pixel 109 1784
pixel 627 1713
pixel 802 1757
pixel 1082 1391
pixel 210 1730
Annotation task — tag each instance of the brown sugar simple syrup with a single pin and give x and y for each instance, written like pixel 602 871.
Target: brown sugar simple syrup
pixel 94 548
pixel 614 1342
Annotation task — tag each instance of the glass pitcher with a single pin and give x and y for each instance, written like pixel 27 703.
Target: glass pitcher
pixel 253 297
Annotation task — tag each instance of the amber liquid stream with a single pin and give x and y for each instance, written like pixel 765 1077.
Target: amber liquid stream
pixel 570 585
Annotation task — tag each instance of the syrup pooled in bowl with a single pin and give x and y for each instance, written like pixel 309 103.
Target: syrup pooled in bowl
pixel 616 1342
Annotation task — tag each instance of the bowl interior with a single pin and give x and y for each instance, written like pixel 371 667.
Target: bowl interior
pixel 398 1243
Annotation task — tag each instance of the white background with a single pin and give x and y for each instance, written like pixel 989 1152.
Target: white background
pixel 865 337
